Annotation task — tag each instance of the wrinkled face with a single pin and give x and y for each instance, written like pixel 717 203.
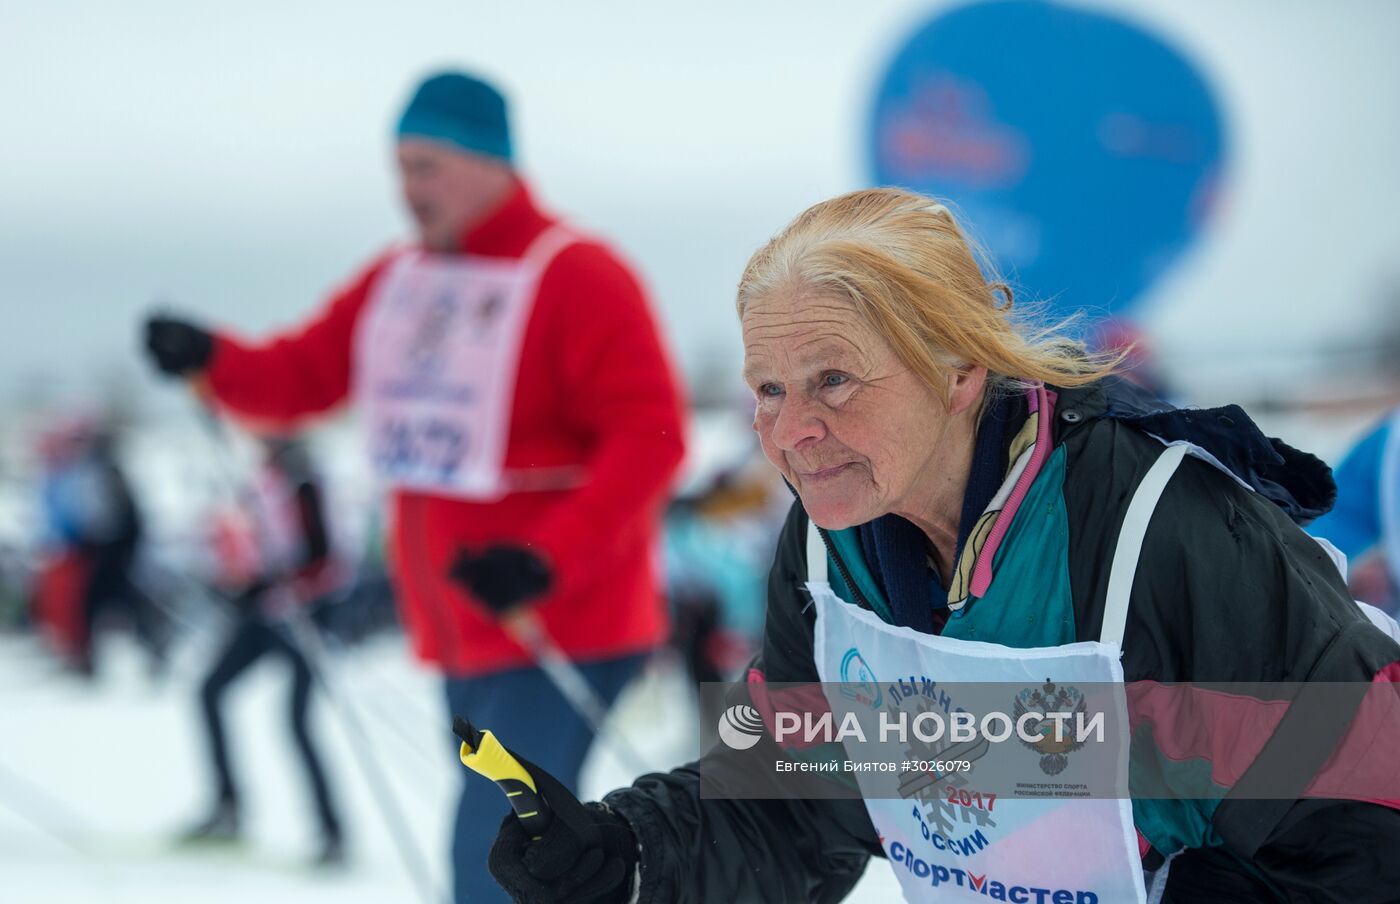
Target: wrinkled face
pixel 446 190
pixel 848 424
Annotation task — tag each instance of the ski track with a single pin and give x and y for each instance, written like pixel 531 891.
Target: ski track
pixel 96 778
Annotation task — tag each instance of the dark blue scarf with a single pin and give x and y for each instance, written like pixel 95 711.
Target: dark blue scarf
pixel 897 551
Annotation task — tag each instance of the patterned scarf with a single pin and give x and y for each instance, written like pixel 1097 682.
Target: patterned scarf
pixel 1027 454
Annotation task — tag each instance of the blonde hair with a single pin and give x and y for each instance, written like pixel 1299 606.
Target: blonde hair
pixel 911 272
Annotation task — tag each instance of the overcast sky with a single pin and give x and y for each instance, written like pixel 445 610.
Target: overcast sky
pixel 234 159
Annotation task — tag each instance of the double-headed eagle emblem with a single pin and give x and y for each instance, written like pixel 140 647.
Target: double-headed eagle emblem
pixel 1056 736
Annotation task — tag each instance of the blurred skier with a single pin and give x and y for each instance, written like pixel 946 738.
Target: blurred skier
pixel 523 414
pixel 290 564
pixel 1365 523
pixel 720 535
pixel 94 529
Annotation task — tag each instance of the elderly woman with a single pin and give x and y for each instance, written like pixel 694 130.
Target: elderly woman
pixel 973 496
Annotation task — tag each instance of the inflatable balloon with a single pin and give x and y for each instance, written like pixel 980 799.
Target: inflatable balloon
pixel 1083 151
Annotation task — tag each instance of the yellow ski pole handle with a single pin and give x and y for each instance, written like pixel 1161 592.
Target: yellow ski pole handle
pixel 483 754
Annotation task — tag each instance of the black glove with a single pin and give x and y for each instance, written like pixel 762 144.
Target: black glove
pixel 587 855
pixel 502 577
pixel 178 348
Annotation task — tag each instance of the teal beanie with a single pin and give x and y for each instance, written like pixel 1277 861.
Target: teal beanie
pixel 457 109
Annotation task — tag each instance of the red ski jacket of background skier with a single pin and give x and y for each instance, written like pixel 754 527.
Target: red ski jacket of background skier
pixel 595 391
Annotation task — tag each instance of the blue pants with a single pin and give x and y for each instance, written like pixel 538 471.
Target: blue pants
pixel 523 709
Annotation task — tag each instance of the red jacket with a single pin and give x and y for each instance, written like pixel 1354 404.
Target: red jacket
pixel 595 387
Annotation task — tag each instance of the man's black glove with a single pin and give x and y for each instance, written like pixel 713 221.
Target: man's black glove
pixel 179 348
pixel 587 855
pixel 502 577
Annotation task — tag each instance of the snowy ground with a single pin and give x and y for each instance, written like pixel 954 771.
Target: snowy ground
pixel 94 779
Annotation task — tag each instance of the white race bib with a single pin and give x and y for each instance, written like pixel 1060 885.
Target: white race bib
pixel 436 360
pixel 1073 851
pixel 1024 849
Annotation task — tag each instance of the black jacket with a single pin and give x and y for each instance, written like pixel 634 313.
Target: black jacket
pixel 1228 588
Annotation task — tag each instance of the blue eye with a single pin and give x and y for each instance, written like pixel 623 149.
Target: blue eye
pixel 769 390
pixel 834 379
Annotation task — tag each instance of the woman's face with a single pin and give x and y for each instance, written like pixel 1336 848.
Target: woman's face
pixel 852 428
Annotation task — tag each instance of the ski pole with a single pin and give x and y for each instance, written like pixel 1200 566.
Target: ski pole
pixel 44 812
pixel 484 755
pixel 304 636
pixel 571 683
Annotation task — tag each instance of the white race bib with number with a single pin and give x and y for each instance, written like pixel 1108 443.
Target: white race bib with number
pixel 436 361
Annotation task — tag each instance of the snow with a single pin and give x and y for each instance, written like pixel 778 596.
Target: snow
pixel 96 778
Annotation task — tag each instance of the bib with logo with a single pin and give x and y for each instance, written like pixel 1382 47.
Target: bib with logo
pixel 1044 850
pixel 436 360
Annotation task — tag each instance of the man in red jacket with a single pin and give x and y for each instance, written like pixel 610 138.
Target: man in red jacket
pixel 522 414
